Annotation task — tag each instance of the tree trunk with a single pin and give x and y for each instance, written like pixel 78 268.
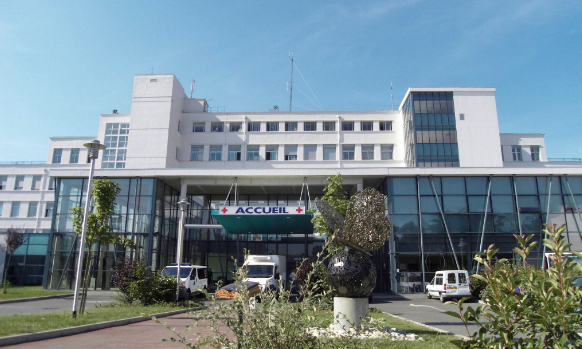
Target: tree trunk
pixel 5 283
pixel 86 280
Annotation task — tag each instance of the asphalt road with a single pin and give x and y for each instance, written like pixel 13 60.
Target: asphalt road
pixel 56 304
pixel 417 307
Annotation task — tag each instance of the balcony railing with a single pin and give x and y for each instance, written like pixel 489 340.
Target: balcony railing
pixel 564 159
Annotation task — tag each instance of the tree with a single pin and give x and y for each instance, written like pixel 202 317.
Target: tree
pixel 336 196
pixel 98 230
pixel 14 239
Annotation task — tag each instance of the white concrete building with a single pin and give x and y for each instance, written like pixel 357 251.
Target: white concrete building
pixel 442 143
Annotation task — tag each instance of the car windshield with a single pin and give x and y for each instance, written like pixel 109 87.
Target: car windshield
pixel 259 271
pixel 184 272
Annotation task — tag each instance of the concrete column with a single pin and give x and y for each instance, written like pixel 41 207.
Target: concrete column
pixel 349 312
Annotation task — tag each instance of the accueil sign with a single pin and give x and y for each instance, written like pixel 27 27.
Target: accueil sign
pixel 261 210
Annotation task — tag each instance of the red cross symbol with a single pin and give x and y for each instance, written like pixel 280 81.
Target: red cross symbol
pixel 299 210
pixel 224 210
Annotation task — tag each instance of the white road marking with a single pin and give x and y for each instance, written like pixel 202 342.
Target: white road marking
pixel 428 306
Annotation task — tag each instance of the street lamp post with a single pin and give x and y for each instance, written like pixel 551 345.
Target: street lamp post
pixel 93 148
pixel 183 204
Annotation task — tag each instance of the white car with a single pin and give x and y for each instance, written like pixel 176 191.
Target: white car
pixel 449 284
pixel 193 278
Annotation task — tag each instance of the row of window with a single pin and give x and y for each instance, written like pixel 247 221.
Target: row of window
pixel 517 153
pixel 32 209
pixel 291 126
pixel 73 158
pixel 116 137
pixel 19 182
pixel 290 152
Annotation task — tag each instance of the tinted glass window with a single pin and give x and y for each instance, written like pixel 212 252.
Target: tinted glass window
pixel 451 279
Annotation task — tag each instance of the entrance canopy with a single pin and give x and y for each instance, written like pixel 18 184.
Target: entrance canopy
pixel 264 219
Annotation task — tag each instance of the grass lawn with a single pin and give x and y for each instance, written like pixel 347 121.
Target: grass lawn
pixel 431 338
pixel 32 323
pixel 15 292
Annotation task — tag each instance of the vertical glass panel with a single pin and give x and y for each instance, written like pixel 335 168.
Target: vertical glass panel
pixel 457 223
pixel 403 186
pixel 575 185
pixel 529 203
pixel 476 223
pixel 531 223
pixel 500 185
pixel 405 204
pixel 544 185
pixel 453 185
pixel 505 223
pixel 428 204
pixel 405 223
pixel 526 185
pixel 476 185
pixel 477 204
pixel 503 203
pixel 425 185
pixel 454 204
pixel 432 224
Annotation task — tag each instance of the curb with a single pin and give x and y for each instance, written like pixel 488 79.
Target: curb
pixel 39 336
pixel 427 326
pixel 30 299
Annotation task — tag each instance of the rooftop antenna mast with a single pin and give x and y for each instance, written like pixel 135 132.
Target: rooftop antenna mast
pixel 291 84
pixel 392 95
pixel 192 88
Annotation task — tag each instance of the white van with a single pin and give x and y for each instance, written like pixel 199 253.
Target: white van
pixel 193 278
pixel 449 284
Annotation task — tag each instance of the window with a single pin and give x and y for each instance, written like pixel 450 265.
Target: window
pixel 121 155
pixel 272 126
pixel 535 153
pixel 36 182
pixel 310 126
pixel 254 126
pixel 109 155
pixel 272 152
pixel 385 125
pixel 329 125
pixel 32 206
pixel 198 127
pixel 111 141
pixel 57 154
pixel 3 182
pixel 516 151
pixel 310 152
pixel 74 158
pixel 290 152
pixel 197 153
pixel 329 152
pixel 48 212
pixel 386 152
pixel 217 127
pixel 235 126
pixel 51 183
pixel 234 153
pixel 451 278
pixel 347 125
pixel 123 129
pixel 19 183
pixel 368 152
pixel 215 153
pixel 122 142
pixel 1 208
pixel 291 126
pixel 253 153
pixel 348 152
pixel 366 125
pixel 15 209
pixel 120 165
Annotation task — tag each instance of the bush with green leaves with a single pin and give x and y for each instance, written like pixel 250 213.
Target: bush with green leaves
pixel 527 307
pixel 271 321
pixel 138 284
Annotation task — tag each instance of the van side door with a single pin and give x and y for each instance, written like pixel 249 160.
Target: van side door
pixel 452 284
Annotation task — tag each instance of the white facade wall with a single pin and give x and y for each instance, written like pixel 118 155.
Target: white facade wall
pixel 66 144
pixel 526 141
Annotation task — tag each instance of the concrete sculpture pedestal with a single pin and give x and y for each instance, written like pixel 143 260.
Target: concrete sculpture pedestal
pixel 349 312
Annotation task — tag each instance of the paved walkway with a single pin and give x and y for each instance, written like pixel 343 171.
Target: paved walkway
pixel 147 334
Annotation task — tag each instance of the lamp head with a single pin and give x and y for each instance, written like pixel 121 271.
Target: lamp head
pixel 94 146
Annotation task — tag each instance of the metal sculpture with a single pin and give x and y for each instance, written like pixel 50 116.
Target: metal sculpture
pixel 351 271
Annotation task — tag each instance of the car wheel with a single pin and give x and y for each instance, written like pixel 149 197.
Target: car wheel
pixel 428 295
pixel 188 294
pixel 443 298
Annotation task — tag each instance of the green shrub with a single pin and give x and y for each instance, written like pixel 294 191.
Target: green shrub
pixel 478 285
pixel 138 284
pixel 526 307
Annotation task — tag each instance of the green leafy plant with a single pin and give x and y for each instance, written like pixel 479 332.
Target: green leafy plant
pixel 14 239
pixel 526 307
pixel 98 230
pixel 337 197
pixel 138 285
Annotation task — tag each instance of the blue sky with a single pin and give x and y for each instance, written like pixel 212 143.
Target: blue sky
pixel 62 63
